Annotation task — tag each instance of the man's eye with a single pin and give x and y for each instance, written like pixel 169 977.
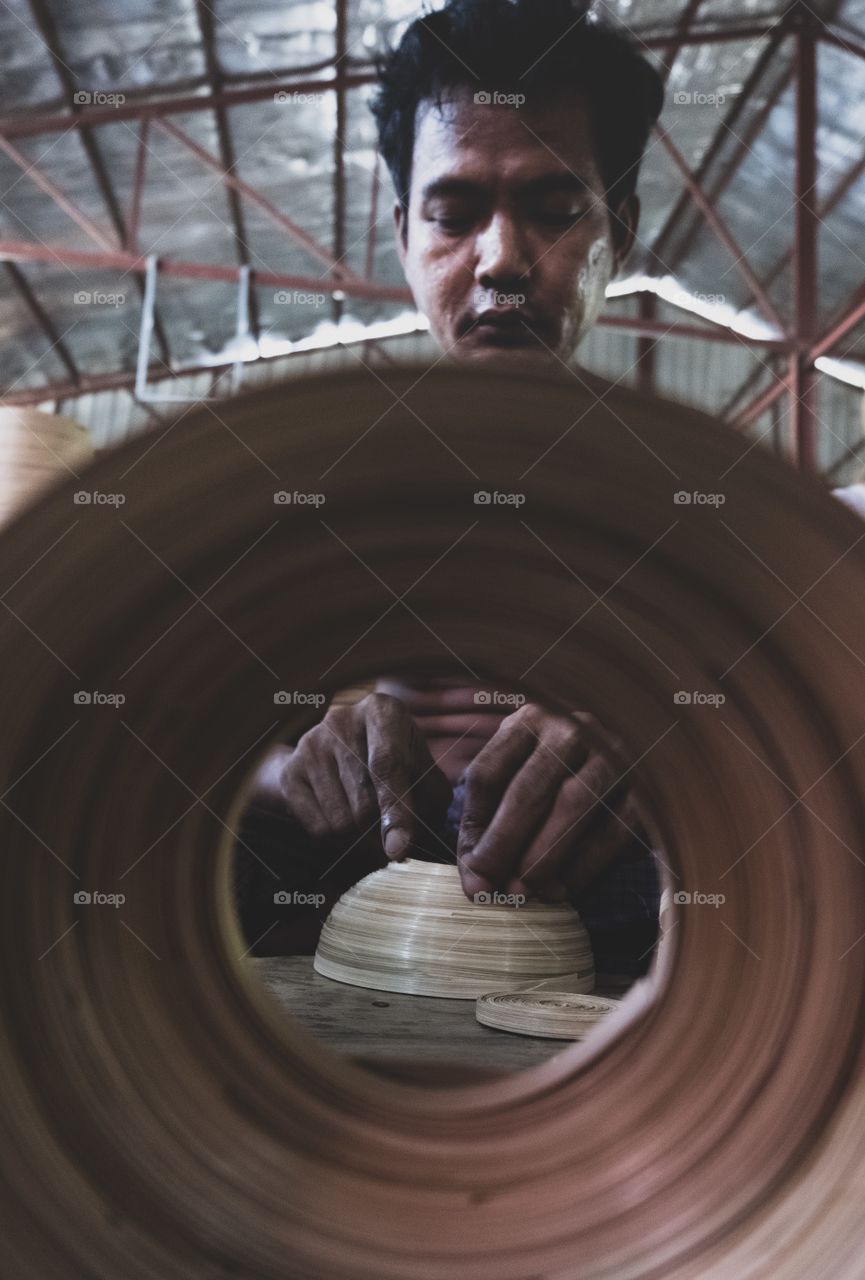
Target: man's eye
pixel 560 215
pixel 452 222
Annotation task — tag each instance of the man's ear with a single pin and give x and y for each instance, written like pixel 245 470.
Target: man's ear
pixel 624 229
pixel 400 221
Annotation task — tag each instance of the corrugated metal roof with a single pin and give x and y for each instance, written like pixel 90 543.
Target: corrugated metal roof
pixel 286 150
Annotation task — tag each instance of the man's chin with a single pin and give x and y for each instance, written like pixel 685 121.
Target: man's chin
pixel 479 351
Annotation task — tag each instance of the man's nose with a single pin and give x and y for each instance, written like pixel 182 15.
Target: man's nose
pixel 502 253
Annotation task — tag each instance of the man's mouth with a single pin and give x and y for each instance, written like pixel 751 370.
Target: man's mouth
pixel 504 327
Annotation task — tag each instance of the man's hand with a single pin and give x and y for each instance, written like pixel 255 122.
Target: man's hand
pixel 365 764
pixel 544 811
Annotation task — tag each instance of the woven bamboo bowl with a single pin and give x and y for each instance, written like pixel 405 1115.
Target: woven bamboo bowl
pixel 410 928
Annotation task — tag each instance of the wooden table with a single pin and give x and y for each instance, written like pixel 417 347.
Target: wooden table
pixel 383 1027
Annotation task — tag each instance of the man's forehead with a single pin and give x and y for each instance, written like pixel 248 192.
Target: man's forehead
pixel 462 138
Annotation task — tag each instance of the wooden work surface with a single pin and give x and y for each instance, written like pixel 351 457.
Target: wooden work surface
pixel 382 1025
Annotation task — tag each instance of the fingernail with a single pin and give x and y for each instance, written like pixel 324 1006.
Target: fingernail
pixel 395 842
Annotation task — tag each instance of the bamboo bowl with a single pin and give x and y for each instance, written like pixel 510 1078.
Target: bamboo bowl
pixel 409 927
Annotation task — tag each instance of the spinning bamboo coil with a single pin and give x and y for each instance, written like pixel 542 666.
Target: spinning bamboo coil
pixel 36 448
pixel 159 1116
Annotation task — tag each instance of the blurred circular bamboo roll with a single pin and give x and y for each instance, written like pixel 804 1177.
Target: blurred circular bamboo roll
pixel 160 1117
pixel 35 449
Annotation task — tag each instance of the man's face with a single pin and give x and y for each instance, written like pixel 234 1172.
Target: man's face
pixel 508 244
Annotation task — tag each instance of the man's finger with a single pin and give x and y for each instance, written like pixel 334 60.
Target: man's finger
pixel 578 806
pixel 303 805
pixel 521 812
pixel 323 778
pixel 389 757
pixel 358 788
pixel 486 781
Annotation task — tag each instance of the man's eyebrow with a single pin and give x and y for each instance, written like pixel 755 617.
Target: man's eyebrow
pixel 450 187
pixel 552 183
pixel 547 184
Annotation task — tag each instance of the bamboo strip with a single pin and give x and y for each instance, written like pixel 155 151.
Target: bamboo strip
pixel 560 1015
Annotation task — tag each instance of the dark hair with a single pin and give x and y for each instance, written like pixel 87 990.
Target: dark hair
pixel 517 46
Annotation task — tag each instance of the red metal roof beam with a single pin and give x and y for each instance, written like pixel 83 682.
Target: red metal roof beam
pixel 682 28
pixel 803 388
pixel 44 19
pixel 710 35
pixel 341 47
pixel 287 224
pixel 744 387
pixel 46 324
pixel 725 129
pixel 226 148
pixel 121 260
pixel 763 401
pixel 851 315
pixel 842 41
pixel 124 380
pixel 373 219
pixel 44 183
pixel 835 196
pixel 647 328
pixel 31 125
pixel 133 221
pixel 721 230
